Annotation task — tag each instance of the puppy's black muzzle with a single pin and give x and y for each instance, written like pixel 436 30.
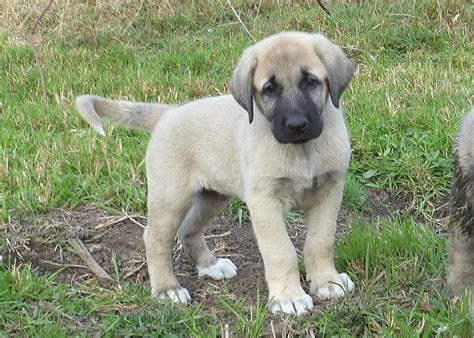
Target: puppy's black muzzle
pixel 296 122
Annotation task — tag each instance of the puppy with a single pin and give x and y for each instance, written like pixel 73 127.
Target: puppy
pixel 279 143
pixel 461 221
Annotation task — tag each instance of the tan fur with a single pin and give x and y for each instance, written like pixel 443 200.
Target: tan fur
pixel 136 115
pixel 466 143
pixel 206 150
pixel 461 264
pixel 461 220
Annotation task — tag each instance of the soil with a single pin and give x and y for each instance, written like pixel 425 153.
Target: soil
pixel 115 241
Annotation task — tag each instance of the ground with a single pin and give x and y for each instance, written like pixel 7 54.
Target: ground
pixel 115 242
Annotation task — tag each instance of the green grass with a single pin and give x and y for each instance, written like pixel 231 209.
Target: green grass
pixel 412 87
pixel 37 306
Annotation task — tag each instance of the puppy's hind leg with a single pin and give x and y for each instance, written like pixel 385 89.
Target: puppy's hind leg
pixel 205 206
pixel 163 221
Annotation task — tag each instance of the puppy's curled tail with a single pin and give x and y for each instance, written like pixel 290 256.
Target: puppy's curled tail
pixel 135 115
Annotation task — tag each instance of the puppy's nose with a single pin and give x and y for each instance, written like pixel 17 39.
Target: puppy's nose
pixel 296 123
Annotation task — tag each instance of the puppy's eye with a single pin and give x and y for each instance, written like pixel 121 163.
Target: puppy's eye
pixel 269 89
pixel 311 81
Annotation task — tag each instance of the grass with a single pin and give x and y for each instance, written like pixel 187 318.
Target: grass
pixel 402 108
pixel 399 272
pixel 411 89
pixel 30 305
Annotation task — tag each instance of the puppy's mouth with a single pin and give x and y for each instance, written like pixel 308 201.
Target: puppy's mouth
pixel 294 139
pixel 285 135
pixel 301 141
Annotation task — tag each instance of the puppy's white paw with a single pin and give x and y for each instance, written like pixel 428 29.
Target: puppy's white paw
pixel 298 306
pixel 335 288
pixel 180 295
pixel 222 268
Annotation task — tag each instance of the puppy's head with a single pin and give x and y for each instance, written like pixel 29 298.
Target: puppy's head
pixel 290 76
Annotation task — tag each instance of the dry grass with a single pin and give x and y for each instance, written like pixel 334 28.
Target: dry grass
pixel 66 18
pixel 93 17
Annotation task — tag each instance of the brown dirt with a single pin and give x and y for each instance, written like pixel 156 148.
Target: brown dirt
pixel 116 241
pixel 45 245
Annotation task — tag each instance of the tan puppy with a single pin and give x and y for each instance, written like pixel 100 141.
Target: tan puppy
pixel 461 221
pixel 279 143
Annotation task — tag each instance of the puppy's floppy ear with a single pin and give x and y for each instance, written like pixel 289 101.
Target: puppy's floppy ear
pixel 241 83
pixel 339 67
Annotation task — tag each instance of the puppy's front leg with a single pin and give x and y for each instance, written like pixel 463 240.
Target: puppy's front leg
pixel 279 256
pixel 326 282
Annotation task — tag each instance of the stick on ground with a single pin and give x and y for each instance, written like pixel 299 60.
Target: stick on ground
pixel 93 266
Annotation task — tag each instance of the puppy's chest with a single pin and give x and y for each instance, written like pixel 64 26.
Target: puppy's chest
pixel 314 163
pixel 294 191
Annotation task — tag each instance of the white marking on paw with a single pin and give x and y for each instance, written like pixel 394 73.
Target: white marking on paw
pixel 298 306
pixel 222 268
pixel 180 295
pixel 338 287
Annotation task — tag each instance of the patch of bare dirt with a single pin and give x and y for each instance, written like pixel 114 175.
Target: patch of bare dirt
pixel 115 242
pixel 383 205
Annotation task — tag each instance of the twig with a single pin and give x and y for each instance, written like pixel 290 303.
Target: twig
pixel 130 217
pixel 273 329
pixel 257 12
pixel 320 3
pixel 35 52
pixel 50 307
pixel 93 266
pixel 134 271
pixel 379 276
pixel 240 20
pixel 136 14
pixel 227 233
pixel 226 328
pixel 109 223
pixel 63 265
